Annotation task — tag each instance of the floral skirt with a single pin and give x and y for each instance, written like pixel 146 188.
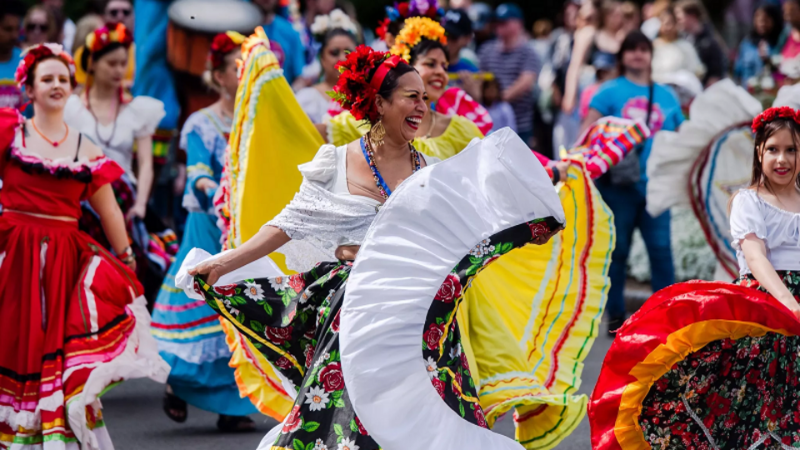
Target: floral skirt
pixel 737 390
pixel 294 322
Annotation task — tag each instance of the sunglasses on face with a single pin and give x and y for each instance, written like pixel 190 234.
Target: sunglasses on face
pixel 121 12
pixel 31 27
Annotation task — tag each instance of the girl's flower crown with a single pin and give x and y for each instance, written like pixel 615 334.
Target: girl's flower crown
pixel 414 8
pixel 107 35
pixel 33 55
pixel 356 90
pixel 782 112
pixel 414 31
pixel 337 19
pixel 221 46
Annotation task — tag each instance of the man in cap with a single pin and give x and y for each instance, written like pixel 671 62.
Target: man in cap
pixel 515 65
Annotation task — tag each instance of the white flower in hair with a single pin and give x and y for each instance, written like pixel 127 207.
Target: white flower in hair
pixel 321 25
pixel 336 20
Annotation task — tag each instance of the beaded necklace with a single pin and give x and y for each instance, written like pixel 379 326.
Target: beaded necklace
pixel 369 155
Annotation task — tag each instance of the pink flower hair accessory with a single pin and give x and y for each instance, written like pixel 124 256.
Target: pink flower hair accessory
pixel 782 112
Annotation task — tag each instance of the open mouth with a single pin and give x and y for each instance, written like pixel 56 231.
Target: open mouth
pixel 57 96
pixel 782 171
pixel 437 84
pixel 414 122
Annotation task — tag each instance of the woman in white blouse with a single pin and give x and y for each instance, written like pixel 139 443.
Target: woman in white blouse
pixel 337 36
pixel 721 361
pixel 122 126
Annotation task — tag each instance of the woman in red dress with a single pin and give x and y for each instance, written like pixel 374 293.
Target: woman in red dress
pixel 74 321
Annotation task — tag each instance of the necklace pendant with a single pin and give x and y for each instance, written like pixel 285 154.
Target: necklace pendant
pixel 55 144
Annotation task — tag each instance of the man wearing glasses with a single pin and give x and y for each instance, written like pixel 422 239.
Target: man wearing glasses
pixel 119 11
pixel 11 13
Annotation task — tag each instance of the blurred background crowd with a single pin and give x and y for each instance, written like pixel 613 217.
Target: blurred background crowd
pixel 543 68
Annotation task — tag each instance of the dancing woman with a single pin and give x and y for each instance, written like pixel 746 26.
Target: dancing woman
pixel 75 322
pixel 123 125
pixel 421 43
pixel 294 321
pixel 189 335
pixel 714 365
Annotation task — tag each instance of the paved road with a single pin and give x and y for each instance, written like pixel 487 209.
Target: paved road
pixel 135 420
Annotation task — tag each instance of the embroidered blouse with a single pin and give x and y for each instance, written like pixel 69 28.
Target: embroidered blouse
pixel 324 214
pixel 779 229
pixel 137 119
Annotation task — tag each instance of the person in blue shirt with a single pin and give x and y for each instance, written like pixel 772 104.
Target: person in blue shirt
pixel 11 13
pixel 763 42
pixel 633 95
pixel 280 31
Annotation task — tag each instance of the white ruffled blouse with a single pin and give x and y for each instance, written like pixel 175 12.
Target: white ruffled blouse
pixel 779 229
pixel 324 214
pixel 137 119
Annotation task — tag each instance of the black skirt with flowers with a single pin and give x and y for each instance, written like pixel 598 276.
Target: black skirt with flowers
pixel 731 394
pixel 297 321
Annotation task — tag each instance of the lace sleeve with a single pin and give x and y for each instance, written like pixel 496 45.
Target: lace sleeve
pixel 318 221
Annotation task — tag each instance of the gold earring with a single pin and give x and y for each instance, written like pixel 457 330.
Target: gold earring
pixel 377 133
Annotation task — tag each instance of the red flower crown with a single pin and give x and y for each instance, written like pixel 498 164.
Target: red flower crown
pixel 33 55
pixel 783 112
pixel 355 90
pixel 223 44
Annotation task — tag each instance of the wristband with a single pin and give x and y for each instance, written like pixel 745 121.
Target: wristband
pixel 556 176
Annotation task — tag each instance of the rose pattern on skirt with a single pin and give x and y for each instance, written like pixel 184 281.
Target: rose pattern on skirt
pixel 738 391
pixel 299 318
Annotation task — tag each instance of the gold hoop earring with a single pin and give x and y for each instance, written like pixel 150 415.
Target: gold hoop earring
pixel 377 133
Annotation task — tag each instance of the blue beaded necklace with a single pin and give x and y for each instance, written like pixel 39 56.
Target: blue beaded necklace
pixel 369 155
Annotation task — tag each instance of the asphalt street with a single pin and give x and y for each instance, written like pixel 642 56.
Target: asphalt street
pixel 135 419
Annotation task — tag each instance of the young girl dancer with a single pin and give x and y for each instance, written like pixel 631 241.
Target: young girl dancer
pixel 714 365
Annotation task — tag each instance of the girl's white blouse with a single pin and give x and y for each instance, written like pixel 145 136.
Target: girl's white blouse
pixel 779 229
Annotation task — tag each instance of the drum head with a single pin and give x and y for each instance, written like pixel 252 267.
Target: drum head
pixel 216 16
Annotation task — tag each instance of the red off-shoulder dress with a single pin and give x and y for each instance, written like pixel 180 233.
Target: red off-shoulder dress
pixel 72 318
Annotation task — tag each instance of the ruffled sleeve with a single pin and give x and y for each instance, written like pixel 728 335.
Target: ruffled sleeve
pixel 344 129
pixel 322 169
pixel 103 173
pixel 747 217
pixel 146 114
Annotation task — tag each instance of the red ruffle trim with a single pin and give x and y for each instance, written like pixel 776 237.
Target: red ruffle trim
pixel 666 312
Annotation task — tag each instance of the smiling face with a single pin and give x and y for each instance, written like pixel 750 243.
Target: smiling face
pixel 779 159
pixel 432 67
pixel 110 68
pixel 51 85
pixel 402 113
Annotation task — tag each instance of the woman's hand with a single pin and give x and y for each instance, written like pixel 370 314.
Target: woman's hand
pixel 790 302
pixel 562 167
pixel 210 271
pixel 131 264
pixel 137 210
pixel 347 252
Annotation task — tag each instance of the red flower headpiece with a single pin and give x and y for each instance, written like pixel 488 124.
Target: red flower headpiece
pixel 783 112
pixel 355 90
pixel 112 33
pixel 223 44
pixel 35 54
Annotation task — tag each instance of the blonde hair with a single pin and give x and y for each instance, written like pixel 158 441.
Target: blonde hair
pixel 542 28
pixel 83 28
